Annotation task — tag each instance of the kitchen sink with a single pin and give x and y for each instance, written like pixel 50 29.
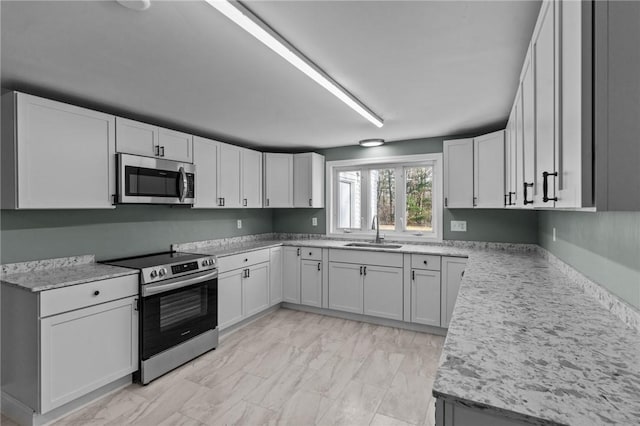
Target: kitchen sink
pixel 374 245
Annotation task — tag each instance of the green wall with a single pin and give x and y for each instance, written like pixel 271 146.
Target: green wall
pixel 482 225
pixel 127 230
pixel 603 246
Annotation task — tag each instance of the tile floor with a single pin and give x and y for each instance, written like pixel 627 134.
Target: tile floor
pixel 292 368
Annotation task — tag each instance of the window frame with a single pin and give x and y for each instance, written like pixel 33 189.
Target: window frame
pixel 434 160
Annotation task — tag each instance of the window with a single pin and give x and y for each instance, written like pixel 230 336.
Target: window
pixel 403 193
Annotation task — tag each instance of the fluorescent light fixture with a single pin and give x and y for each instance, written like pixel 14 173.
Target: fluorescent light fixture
pixel 244 18
pixel 371 142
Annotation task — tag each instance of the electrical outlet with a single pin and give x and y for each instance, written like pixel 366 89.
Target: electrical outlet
pixel 459 226
pixel 314 221
pixel 554 234
pixel 239 223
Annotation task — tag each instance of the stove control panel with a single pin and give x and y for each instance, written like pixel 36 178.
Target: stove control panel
pixel 164 272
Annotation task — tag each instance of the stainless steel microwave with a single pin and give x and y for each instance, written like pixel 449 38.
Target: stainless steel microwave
pixel 146 180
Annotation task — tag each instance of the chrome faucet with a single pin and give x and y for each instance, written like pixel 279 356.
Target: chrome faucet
pixel 376 225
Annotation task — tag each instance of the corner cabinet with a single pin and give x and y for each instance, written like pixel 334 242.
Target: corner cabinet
pixel 458 173
pixel 278 180
pixel 291 274
pixel 56 156
pixel 61 344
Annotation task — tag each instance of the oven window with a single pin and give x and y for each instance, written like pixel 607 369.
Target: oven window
pixel 182 307
pixel 151 182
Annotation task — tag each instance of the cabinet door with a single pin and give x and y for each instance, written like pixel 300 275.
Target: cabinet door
pixel 383 295
pixel 425 297
pixel 518 161
pixel 346 291
pixel 229 163
pixel 251 178
pixel 175 146
pixel 291 274
pixel 134 137
pixel 452 272
pixel 85 349
pixel 255 289
pixel 458 173
pixel 278 180
pixel 488 167
pixel 302 169
pixel 65 156
pixel 311 283
pixel 543 45
pixel 527 189
pixel 275 282
pixel 229 298
pixel 205 158
pixel 508 165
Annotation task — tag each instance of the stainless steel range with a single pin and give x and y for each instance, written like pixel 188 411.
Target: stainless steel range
pixel 178 309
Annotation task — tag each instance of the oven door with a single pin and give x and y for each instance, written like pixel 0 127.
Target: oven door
pixel 154 181
pixel 176 310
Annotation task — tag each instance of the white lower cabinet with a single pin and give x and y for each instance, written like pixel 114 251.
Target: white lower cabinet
pixel 275 275
pixel 291 274
pixel 425 297
pixel 229 298
pixel 255 289
pixel 311 283
pixel 85 349
pixel 346 290
pixel 383 296
pixel 452 273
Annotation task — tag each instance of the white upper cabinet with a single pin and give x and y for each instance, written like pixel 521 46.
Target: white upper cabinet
pixel 251 178
pixel 458 173
pixel 528 134
pixel 489 168
pixel 229 175
pixel 205 158
pixel 134 137
pixel 56 156
pixel 278 180
pixel 308 180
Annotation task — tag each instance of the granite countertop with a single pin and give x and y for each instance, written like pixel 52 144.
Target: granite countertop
pixel 222 251
pixel 526 342
pixel 55 273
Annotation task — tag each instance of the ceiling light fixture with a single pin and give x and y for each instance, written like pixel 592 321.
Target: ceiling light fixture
pixel 249 22
pixel 138 5
pixel 371 142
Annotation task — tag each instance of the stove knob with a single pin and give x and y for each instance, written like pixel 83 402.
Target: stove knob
pixel 205 262
pixel 153 274
pixel 163 272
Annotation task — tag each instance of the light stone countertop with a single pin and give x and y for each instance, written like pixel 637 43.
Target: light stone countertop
pixel 526 342
pixel 56 273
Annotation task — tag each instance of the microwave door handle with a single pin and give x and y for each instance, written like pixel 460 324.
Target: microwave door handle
pixel 151 289
pixel 182 188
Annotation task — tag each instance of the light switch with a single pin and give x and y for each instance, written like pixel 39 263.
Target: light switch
pixel 458 226
pixel 314 221
pixel 239 223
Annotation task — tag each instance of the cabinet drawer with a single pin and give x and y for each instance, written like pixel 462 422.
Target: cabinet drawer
pixel 82 295
pixel 310 253
pixel 425 261
pixel 242 260
pixel 366 257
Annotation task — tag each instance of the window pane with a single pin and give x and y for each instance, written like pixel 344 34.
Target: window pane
pixel 383 197
pixel 419 181
pixel 349 199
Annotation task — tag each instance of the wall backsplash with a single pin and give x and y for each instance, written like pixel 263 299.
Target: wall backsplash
pixel 603 246
pixel 127 230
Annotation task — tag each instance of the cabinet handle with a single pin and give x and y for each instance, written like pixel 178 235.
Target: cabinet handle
pixel 475 201
pixel 136 304
pixel 319 265
pixel 462 275
pixel 162 151
pixel 267 202
pixel 310 202
pixel 511 203
pixel 223 201
pixel 424 261
pixel 246 260
pixel 446 201
pixel 527 185
pixel 361 270
pixel 157 148
pixel 545 186
pixel 244 202
pixel 365 270
pixel 413 275
pixel 248 272
pixel 220 201
pixel 506 198
pixel 298 252
pixel 96 293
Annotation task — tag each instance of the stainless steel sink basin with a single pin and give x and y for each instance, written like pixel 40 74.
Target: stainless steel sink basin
pixel 374 245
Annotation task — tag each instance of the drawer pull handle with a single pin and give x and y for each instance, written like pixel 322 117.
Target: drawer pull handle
pixel 310 253
pixel 246 260
pixel 425 262
pixel 96 293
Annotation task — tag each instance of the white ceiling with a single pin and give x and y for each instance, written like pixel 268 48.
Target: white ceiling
pixel 427 68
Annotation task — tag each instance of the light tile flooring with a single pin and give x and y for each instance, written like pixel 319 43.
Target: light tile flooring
pixel 289 368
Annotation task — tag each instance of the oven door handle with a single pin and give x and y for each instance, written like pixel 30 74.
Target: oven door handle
pixel 151 289
pixel 182 189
